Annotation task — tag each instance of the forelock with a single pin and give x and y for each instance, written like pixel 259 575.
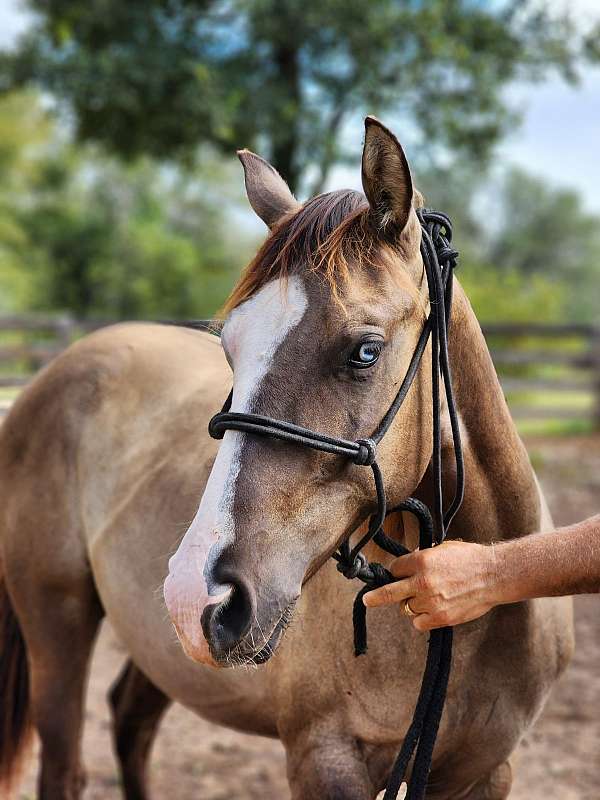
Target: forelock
pixel 328 236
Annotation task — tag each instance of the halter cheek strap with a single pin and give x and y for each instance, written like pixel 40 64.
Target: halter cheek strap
pixel 439 260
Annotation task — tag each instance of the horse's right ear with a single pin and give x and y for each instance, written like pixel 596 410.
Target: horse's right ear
pixel 268 193
pixel 386 179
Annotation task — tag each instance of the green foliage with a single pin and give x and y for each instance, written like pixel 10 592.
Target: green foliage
pixel 529 250
pixel 80 232
pixel 24 131
pixel 164 76
pixel 545 233
pixel 510 295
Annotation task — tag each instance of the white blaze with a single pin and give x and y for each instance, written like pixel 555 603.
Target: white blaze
pixel 251 335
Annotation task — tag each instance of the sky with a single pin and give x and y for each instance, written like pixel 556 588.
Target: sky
pixel 559 136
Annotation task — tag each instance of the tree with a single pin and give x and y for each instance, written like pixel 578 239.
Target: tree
pixel 81 232
pixel 543 230
pixel 528 249
pixel 282 76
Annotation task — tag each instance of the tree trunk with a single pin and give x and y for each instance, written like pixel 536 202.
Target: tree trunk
pixel 284 126
pixel 328 149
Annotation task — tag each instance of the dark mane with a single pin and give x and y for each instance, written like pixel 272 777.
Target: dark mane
pixel 328 233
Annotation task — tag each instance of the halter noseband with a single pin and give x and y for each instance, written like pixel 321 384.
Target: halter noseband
pixel 439 260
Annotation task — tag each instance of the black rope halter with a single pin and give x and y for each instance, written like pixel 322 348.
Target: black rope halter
pixel 439 260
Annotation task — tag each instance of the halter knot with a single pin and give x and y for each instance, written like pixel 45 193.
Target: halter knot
pixel 366 453
pixel 354 568
pixel 447 253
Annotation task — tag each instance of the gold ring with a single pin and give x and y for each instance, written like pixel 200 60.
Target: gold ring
pixel 407 610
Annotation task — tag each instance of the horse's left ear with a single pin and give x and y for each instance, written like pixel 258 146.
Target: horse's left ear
pixel 386 178
pixel 268 193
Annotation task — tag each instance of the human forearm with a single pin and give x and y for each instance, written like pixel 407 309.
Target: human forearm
pixel 459 581
pixel 560 562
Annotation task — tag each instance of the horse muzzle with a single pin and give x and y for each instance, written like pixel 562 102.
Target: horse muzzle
pixel 236 633
pixel 223 627
pixel 186 602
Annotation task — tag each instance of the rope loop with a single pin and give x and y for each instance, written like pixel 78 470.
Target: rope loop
pixel 447 253
pixel 366 454
pixel 215 429
pixel 381 575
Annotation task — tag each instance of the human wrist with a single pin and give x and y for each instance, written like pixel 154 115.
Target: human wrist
pixel 501 580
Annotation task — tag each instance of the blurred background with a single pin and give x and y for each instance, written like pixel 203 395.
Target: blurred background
pixel 121 198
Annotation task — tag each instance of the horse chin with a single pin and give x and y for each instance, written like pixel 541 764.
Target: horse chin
pixel 242 655
pixel 182 606
pixel 198 652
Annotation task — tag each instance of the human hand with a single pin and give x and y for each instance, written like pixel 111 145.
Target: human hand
pixel 449 584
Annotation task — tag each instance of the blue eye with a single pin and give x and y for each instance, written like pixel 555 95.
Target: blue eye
pixel 365 354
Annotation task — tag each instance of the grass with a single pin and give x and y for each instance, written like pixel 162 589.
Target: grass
pixel 577 400
pixel 9 394
pixel 555 427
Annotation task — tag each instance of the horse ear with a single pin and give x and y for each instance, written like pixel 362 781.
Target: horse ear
pixel 268 193
pixel 386 178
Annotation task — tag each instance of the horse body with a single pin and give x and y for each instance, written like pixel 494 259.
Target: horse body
pixel 102 461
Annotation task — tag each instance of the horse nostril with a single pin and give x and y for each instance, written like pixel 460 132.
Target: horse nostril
pixel 226 623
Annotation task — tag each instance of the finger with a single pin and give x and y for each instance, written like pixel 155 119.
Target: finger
pixel 390 593
pixel 401 794
pixel 405 566
pixel 427 621
pixel 424 622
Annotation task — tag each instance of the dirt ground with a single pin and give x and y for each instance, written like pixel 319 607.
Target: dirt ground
pixel 560 758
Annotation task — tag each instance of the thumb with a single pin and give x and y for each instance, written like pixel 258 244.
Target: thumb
pixel 401 793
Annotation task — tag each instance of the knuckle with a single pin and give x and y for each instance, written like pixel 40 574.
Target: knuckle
pixel 436 605
pixel 442 618
pixel 397 566
pixel 420 623
pixel 424 581
pixel 388 593
pixel 419 559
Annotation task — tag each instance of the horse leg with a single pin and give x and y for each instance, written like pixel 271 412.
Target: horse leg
pixel 137 706
pixel 496 786
pixel 327 767
pixel 59 627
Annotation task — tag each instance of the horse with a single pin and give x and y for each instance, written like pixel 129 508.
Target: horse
pixel 107 469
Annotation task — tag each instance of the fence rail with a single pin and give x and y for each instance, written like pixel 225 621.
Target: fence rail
pixel 548 372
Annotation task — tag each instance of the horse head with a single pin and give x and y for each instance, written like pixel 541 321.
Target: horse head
pixel 319 332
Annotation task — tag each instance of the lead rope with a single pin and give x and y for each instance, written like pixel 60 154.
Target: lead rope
pixel 439 260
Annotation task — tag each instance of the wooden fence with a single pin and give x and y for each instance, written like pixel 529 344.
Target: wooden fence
pixel 548 372
pixel 29 341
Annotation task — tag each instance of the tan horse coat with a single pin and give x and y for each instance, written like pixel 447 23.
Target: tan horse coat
pixel 102 462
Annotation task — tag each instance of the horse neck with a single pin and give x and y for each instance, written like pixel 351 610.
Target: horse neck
pixel 502 498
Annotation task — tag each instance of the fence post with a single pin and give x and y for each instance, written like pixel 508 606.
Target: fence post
pixel 595 360
pixel 65 326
